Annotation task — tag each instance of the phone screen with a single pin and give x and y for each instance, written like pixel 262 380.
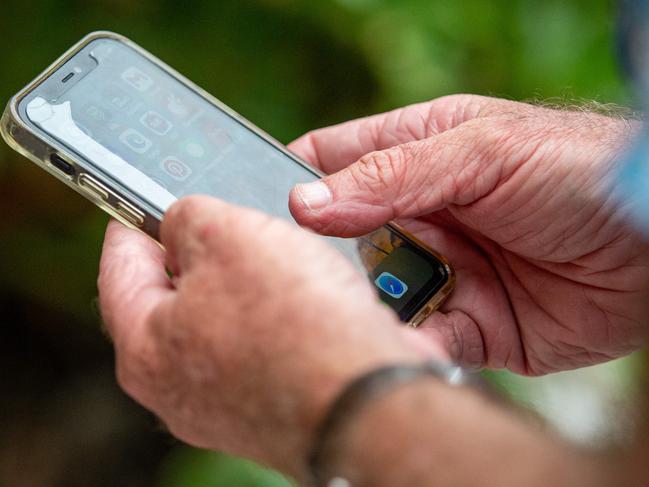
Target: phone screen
pixel 159 139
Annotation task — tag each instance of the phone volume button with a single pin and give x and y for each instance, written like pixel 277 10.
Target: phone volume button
pixel 130 213
pixel 93 187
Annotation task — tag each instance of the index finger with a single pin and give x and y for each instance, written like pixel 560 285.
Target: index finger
pixel 132 279
pixel 334 148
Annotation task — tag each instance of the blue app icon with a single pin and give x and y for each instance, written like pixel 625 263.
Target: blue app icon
pixel 391 285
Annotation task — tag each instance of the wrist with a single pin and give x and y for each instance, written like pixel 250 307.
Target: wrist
pixel 428 433
pixel 294 398
pixel 361 393
pixel 330 381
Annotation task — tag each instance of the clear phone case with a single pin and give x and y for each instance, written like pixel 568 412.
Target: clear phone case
pixel 138 213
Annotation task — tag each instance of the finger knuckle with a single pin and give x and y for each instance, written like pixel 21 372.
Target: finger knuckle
pixel 484 154
pixel 449 111
pixel 380 171
pixel 465 341
pixel 182 211
pixel 238 227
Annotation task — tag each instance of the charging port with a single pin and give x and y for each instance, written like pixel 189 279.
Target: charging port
pixel 62 165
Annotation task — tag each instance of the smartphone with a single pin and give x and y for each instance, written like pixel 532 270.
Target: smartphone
pixel 132 135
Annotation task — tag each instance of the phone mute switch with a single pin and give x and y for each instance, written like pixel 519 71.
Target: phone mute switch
pixel 130 213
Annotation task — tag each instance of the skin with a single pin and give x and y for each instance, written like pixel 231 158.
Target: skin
pixel 250 341
pixel 228 353
pixel 519 198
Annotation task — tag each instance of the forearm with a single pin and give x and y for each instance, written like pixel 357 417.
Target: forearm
pixel 427 433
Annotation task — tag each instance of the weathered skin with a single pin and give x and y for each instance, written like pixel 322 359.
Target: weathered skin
pixel 247 346
pixel 520 200
pixel 263 323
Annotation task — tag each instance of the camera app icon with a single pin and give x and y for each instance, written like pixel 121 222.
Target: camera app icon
pixel 176 168
pixel 156 123
pixel 137 79
pixel 391 285
pixel 135 141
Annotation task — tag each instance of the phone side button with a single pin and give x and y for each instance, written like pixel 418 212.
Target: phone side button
pixel 93 187
pixel 131 214
pixel 421 316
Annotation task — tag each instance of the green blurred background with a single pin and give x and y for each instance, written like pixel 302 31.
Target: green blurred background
pixel 289 66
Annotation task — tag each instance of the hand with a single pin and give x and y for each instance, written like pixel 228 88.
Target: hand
pixel 519 198
pixel 261 326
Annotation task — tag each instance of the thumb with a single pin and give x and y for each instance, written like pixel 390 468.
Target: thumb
pixel 405 181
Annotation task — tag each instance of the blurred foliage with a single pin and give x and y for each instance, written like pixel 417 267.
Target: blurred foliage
pixel 289 66
pixel 190 468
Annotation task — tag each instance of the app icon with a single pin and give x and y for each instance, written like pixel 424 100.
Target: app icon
pixel 175 168
pixel 178 106
pixel 156 123
pixel 137 79
pixel 217 135
pixel 135 141
pixel 96 113
pixel 116 97
pixel 194 149
pixel 391 285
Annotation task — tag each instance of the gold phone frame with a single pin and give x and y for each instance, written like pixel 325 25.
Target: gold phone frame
pixel 23 138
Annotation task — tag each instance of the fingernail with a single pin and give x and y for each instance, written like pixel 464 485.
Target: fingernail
pixel 315 196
